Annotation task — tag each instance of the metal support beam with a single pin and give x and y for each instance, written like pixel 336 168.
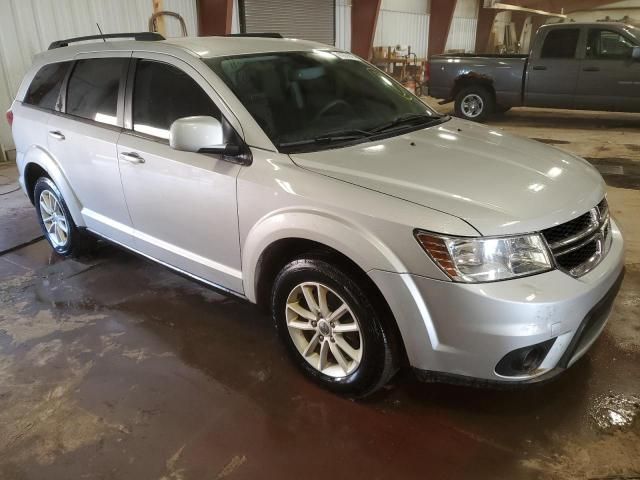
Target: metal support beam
pixel 486 17
pixel 214 17
pixel 439 24
pixel 518 19
pixel 364 16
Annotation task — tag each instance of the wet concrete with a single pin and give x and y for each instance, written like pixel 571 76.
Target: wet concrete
pixel 19 223
pixel 114 367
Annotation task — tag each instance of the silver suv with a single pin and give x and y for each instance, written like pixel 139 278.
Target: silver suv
pixel 378 232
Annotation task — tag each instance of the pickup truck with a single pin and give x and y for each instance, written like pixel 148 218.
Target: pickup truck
pixel 582 66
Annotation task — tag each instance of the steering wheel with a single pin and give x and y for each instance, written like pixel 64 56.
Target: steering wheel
pixel 331 105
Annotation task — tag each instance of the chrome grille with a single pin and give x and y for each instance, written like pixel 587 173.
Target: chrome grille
pixel 580 244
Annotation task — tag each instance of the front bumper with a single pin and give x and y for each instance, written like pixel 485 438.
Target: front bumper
pixel 464 330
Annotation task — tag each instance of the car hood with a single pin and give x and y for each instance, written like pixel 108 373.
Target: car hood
pixel 499 183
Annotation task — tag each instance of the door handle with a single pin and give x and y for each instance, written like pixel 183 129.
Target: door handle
pixel 539 67
pixel 131 157
pixel 56 134
pixel 591 69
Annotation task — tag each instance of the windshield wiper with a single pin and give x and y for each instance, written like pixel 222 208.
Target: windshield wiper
pixel 406 120
pixel 330 137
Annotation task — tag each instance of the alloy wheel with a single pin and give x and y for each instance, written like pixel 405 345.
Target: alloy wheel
pixel 472 105
pixel 54 219
pixel 324 329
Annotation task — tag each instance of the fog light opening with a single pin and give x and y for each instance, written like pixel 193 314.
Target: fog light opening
pixel 532 359
pixel 525 360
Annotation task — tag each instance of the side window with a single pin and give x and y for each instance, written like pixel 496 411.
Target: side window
pixel 560 43
pixel 92 92
pixel 608 45
pixel 45 86
pixel 163 93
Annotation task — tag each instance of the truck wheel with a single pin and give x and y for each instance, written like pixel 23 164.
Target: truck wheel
pixel 474 103
pixel 331 327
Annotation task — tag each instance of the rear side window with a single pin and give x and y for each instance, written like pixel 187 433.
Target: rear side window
pixel 560 43
pixel 45 86
pixel 162 94
pixel 93 89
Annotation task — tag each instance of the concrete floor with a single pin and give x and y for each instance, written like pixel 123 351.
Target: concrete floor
pixel 113 367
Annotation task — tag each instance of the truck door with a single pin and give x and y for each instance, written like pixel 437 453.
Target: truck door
pixel 552 72
pixel 609 78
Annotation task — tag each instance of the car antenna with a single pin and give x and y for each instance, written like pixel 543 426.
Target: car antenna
pixel 102 34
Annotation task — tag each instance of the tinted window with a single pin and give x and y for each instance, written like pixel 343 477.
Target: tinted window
pixel 45 87
pixel 93 89
pixel 162 94
pixel 299 96
pixel 606 44
pixel 560 43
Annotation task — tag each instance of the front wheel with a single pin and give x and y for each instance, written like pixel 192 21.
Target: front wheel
pixel 474 103
pixel 331 328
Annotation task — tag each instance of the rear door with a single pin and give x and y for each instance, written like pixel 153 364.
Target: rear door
pixel 552 72
pixel 609 77
pixel 84 136
pixel 182 204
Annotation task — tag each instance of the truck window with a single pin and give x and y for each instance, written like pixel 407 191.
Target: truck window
pixel 45 87
pixel 93 89
pixel 560 43
pixel 608 45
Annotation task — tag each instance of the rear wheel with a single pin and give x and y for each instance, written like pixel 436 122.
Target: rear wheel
pixel 474 103
pixel 331 328
pixel 56 222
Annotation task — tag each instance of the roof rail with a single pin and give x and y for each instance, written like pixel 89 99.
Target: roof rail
pixel 141 36
pixel 262 35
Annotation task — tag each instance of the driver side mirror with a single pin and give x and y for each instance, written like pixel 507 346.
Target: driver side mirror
pixel 635 53
pixel 200 134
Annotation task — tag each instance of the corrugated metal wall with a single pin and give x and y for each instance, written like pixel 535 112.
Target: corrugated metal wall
pixel 29 26
pixel 403 28
pixel 306 19
pixel 343 24
pixel 462 33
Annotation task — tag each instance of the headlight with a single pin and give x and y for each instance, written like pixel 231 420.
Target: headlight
pixel 474 260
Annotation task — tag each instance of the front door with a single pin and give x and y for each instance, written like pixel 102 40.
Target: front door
pixel 182 204
pixel 609 77
pixel 552 72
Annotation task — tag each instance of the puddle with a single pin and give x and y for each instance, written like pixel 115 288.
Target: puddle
pixel 614 411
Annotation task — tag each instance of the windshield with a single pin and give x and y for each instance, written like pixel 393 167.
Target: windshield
pixel 318 99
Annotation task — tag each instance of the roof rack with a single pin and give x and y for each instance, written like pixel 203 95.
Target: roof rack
pixel 141 36
pixel 261 35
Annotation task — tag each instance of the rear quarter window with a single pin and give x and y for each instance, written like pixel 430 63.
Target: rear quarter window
pixel 45 86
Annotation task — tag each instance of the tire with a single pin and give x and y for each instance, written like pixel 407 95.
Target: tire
pixel 373 343
pixel 74 242
pixel 474 103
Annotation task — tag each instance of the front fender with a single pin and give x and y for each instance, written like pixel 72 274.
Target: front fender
pixel 38 156
pixel 352 240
